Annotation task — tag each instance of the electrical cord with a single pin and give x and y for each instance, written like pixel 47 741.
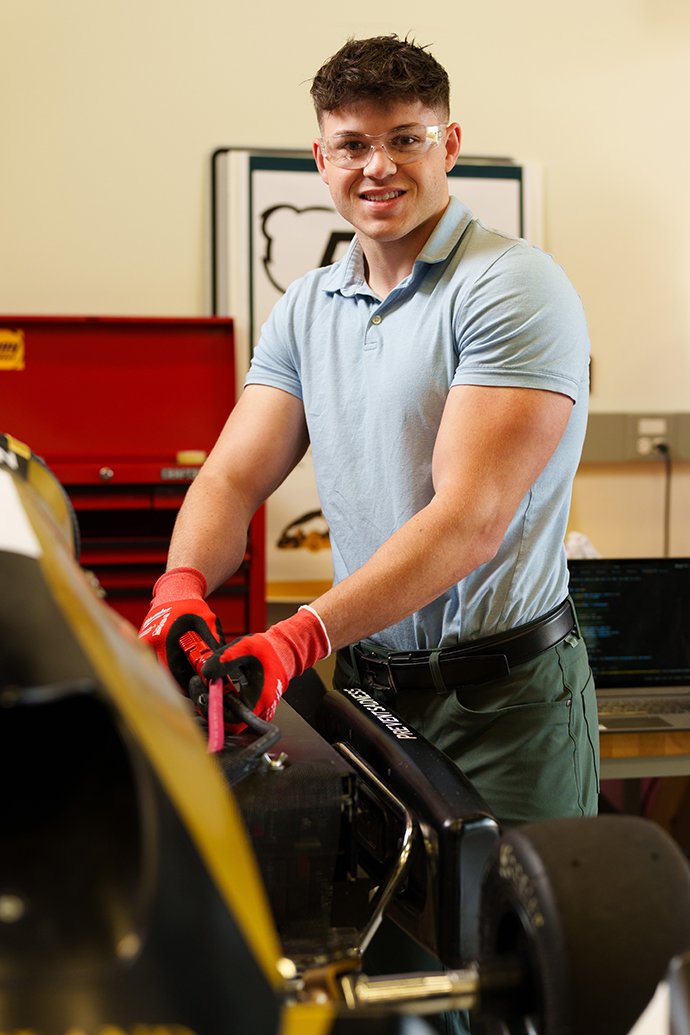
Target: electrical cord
pixel 663 449
pixel 250 756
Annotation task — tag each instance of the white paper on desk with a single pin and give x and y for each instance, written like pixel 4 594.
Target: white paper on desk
pixel 656 1020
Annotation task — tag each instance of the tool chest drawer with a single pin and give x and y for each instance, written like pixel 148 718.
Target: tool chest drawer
pixel 125 549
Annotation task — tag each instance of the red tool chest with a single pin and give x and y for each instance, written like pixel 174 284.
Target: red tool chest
pixel 122 409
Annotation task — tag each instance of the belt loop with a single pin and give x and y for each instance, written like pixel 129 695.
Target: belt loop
pixel 435 669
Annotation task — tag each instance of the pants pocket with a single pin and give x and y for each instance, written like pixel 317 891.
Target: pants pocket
pixel 529 742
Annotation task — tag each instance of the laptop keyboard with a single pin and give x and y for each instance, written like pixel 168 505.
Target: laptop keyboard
pixel 644 706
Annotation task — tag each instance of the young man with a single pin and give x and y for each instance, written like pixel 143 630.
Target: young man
pixel 440 373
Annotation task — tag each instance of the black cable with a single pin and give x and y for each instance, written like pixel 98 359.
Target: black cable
pixel 663 449
pixel 249 757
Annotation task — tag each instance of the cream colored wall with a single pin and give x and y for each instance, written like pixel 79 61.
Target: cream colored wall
pixel 111 109
pixel 622 509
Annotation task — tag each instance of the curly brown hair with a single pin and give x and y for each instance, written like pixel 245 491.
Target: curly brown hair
pixel 380 69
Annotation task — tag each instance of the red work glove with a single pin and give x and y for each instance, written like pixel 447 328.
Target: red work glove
pixel 178 605
pixel 262 665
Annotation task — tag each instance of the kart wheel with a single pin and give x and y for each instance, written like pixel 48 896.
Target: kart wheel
pixel 597 908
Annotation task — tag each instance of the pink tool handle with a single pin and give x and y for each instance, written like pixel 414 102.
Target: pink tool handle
pixel 216 729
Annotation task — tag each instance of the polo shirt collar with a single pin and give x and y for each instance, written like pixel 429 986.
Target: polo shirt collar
pixel 347 276
pixel 446 233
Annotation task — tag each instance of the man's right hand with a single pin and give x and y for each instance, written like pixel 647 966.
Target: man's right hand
pixel 178 606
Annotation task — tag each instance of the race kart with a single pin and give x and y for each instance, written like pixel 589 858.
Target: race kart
pixel 151 887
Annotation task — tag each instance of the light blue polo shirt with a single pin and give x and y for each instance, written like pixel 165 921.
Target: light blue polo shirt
pixel 479 308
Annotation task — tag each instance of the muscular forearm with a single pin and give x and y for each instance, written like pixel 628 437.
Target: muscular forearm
pixel 210 533
pixel 435 549
pixel 264 437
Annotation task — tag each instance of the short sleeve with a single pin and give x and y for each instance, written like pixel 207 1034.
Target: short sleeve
pixel 522 324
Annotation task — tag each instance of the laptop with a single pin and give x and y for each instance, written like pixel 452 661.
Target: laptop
pixel 635 619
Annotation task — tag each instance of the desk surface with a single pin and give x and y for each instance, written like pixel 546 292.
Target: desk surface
pixel 282 592
pixel 645 754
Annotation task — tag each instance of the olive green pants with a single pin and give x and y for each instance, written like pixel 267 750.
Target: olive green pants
pixel 528 742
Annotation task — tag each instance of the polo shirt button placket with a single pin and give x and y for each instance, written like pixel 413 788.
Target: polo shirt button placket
pixel 372 341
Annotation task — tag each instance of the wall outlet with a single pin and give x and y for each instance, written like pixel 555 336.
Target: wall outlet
pixel 649 433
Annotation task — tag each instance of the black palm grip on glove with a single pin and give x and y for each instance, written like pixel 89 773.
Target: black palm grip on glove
pixel 177 660
pixel 246 672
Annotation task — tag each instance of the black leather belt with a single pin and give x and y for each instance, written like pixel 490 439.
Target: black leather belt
pixel 474 662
